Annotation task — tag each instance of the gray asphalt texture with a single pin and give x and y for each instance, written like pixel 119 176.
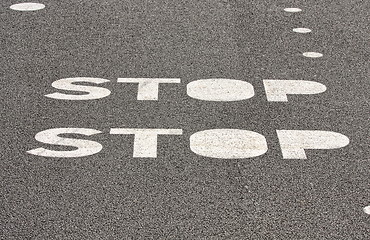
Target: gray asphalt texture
pixel 181 195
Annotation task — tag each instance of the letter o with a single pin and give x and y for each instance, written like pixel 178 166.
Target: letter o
pixel 220 90
pixel 228 143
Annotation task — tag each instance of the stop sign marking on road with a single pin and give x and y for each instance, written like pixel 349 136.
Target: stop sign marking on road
pixel 213 143
pixel 218 89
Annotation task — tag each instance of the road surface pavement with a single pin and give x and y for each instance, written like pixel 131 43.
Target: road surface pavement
pixel 161 119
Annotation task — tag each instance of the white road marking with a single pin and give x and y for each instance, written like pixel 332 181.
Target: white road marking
pixel 145 142
pixel 148 87
pixel 27 6
pixel 67 84
pixel 367 210
pixel 220 90
pixel 294 142
pixel 277 90
pixel 213 143
pixel 84 147
pixel 228 143
pixel 292 10
pixel 312 54
pixel 301 30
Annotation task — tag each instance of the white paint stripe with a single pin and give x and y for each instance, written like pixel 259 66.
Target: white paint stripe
pixel 292 10
pixel 312 54
pixel 27 6
pixel 301 30
pixel 148 87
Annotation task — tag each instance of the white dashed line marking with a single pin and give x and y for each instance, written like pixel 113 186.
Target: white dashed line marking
pixel 312 54
pixel 301 30
pixel 367 210
pixel 292 10
pixel 27 6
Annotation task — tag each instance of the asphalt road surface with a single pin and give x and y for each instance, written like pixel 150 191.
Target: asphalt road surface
pixel 269 141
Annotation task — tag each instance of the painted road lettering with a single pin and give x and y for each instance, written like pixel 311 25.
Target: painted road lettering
pixel 84 147
pixel 277 90
pixel 228 143
pixel 93 92
pixel 294 142
pixel 145 141
pixel 218 89
pixel 213 143
pixel 148 87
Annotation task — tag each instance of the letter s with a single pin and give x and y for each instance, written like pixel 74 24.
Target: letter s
pixel 67 84
pixel 84 147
